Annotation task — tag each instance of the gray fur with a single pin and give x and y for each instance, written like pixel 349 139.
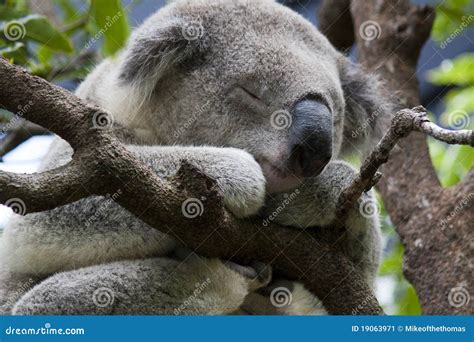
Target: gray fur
pixel 183 96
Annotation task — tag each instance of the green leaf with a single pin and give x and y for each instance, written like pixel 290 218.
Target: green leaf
pixel 111 24
pixel 70 12
pixel 38 29
pixel 409 303
pixel 17 53
pixel 451 162
pixel 458 71
pixel 9 13
pixel 44 54
pixel 452 18
pixel 461 100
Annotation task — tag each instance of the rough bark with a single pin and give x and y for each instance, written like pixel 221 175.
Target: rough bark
pixel 102 165
pixel 436 225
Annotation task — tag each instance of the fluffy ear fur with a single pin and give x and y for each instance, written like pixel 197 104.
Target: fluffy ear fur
pixel 367 111
pixel 154 50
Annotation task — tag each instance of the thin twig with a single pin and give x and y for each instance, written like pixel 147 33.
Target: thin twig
pixel 403 123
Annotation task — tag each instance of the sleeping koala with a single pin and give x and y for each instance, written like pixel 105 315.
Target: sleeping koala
pixel 256 98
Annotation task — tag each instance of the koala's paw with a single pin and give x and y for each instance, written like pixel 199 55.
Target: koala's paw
pixel 242 183
pixel 257 274
pixel 283 297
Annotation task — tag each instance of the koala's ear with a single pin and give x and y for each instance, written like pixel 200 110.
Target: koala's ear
pixel 367 111
pixel 154 50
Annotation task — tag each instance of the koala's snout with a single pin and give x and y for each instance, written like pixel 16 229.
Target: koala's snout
pixel 311 135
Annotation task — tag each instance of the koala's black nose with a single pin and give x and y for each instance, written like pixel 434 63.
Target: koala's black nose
pixel 310 137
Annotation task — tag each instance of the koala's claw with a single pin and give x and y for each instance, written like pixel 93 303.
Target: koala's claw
pixel 257 273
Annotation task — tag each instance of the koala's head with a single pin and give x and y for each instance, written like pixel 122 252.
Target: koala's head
pixel 250 74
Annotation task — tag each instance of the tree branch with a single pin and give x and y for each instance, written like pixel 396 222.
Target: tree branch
pixel 434 224
pixel 403 123
pixel 102 165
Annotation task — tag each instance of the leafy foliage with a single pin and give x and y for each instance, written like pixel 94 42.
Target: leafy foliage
pixel 67 50
pixel 452 16
pixel 453 162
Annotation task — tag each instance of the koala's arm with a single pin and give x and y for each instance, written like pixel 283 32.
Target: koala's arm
pixel 237 174
pixel 312 206
pixel 156 286
pixel 97 230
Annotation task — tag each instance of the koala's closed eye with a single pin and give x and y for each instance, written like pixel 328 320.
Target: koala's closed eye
pixel 247 100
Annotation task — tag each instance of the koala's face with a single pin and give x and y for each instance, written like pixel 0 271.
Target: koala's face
pixel 247 74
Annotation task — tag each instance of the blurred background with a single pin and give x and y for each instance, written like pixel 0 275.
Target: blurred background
pixel 62 40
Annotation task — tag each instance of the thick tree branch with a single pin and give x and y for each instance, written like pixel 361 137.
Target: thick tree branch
pixel 435 224
pixel 104 166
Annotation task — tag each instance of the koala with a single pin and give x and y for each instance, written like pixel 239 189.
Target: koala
pixel 252 95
